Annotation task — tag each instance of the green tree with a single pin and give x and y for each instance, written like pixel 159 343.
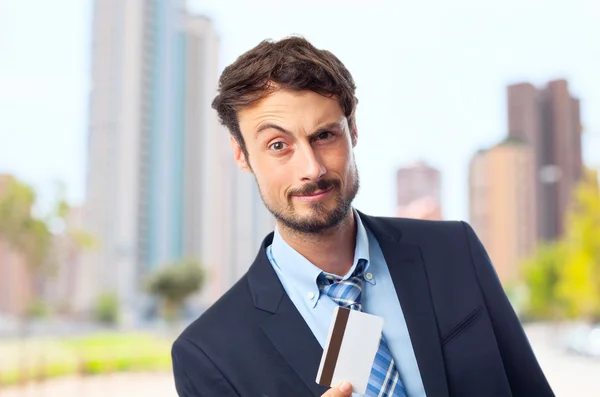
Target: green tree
pixel 563 277
pixel 25 233
pixel 174 283
pixel 542 273
pixel 579 280
pixel 32 235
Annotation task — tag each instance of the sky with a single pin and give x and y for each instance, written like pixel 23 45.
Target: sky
pixel 431 78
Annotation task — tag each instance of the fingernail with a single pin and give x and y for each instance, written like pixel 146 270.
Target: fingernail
pixel 346 386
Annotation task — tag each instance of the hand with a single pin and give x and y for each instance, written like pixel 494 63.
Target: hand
pixel 343 389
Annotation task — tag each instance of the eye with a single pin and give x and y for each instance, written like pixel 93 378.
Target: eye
pixel 277 146
pixel 324 135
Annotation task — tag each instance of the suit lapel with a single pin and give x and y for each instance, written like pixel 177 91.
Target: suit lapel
pixel 296 343
pixel 408 274
pixel 286 329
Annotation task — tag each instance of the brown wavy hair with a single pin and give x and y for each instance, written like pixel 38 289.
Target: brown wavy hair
pixel 292 63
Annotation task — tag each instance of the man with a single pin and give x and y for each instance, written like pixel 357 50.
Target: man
pixel 449 328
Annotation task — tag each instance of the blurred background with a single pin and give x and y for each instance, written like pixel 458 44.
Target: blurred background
pixel 123 216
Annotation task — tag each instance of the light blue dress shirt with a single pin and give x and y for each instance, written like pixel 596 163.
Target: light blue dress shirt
pixel 299 279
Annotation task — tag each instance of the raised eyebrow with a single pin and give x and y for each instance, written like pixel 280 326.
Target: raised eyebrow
pixel 320 130
pixel 327 127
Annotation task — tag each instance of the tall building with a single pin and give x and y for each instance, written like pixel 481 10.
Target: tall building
pixel 548 119
pixel 418 192
pixel 502 197
pixel 160 173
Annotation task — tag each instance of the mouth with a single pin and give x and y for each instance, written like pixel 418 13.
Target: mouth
pixel 315 196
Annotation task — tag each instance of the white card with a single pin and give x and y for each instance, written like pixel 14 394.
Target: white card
pixel 351 346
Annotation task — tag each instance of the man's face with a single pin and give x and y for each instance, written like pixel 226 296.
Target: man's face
pixel 300 151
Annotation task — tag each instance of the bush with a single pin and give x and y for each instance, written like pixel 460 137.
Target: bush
pixel 37 309
pixel 174 283
pixel 107 308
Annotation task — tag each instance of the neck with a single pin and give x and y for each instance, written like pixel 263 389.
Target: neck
pixel 331 250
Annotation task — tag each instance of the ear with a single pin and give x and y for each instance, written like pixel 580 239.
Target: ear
pixel 239 156
pixel 354 135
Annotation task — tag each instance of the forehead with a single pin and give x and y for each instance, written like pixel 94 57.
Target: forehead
pixel 304 108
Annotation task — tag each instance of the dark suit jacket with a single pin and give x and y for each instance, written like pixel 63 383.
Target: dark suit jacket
pixel 468 341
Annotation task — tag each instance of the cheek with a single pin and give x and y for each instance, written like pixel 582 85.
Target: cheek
pixel 343 165
pixel 272 182
pixel 350 174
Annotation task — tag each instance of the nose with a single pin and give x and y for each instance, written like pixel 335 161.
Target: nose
pixel 309 165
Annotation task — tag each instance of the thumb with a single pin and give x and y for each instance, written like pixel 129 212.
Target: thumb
pixel 343 389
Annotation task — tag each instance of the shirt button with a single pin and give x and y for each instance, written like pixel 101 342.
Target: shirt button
pixel 368 276
pixel 311 296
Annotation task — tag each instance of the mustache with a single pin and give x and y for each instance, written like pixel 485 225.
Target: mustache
pixel 310 188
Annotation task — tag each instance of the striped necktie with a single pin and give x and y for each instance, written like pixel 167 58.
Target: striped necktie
pixel 384 380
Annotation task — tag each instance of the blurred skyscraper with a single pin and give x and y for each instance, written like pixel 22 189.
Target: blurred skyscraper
pixel 502 198
pixel 548 120
pixel 161 184
pixel 521 189
pixel 418 192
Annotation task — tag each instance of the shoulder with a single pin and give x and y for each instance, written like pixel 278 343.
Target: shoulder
pixel 418 230
pixel 237 311
pixel 437 241
pixel 413 225
pixel 201 353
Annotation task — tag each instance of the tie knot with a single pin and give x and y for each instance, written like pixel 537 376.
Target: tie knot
pixel 346 293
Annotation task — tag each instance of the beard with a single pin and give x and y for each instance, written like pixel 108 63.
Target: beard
pixel 319 217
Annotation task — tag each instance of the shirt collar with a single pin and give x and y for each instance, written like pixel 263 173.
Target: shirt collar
pixel 304 274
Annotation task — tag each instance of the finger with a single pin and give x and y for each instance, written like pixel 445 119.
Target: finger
pixel 343 389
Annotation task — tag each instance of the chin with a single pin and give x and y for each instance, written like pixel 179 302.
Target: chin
pixel 322 215
pixel 315 211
